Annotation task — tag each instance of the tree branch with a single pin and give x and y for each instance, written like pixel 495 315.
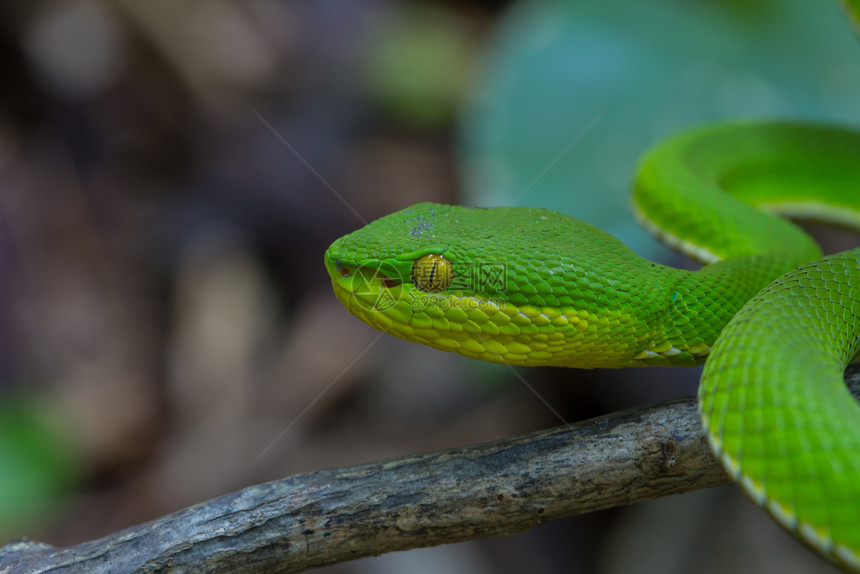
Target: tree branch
pixel 491 489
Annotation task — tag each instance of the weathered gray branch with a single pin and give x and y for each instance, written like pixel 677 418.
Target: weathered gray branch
pixel 328 516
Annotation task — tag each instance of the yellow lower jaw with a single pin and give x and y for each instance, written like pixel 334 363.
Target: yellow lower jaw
pixel 500 332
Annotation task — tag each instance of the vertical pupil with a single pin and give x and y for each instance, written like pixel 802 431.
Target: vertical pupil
pixel 432 273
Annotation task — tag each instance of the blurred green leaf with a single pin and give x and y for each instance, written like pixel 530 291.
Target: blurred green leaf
pixel 37 463
pixel 574 92
pixel 852 7
pixel 419 65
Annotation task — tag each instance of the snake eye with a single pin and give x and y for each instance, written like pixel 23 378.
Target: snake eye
pixel 432 273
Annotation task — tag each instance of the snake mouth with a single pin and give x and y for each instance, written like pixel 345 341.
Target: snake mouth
pixel 368 274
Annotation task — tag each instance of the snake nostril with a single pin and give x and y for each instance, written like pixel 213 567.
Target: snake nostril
pixel 342 269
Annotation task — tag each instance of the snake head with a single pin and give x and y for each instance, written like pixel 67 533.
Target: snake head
pixel 500 284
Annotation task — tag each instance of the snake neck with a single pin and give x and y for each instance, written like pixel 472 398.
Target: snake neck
pixel 687 310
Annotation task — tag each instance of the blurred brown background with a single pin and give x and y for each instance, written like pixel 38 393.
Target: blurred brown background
pixel 170 176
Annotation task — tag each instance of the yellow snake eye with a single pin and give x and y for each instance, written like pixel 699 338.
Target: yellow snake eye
pixel 432 273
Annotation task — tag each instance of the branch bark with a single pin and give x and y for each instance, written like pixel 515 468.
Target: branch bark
pixel 333 515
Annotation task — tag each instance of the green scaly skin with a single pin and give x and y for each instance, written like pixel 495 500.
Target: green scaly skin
pixel 535 287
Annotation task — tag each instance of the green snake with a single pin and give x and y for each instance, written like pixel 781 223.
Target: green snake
pixel 775 322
